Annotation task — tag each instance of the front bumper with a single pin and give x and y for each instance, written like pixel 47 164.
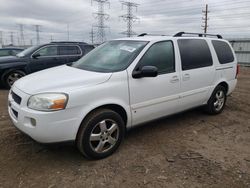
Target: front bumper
pixel 44 127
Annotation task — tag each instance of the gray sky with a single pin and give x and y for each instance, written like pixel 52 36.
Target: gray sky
pixel 227 17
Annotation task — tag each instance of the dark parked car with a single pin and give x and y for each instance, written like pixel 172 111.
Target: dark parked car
pixel 41 57
pixel 10 51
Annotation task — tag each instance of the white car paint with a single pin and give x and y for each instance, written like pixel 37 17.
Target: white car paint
pixel 143 99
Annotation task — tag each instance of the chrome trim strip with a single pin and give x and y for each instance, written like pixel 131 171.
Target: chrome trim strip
pixel 222 68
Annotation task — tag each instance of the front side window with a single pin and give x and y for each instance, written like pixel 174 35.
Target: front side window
pixel 223 51
pixel 48 51
pixel 69 50
pixel 195 53
pixel 112 56
pixel 160 55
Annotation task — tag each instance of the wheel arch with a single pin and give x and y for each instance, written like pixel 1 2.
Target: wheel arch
pixel 120 109
pixel 224 84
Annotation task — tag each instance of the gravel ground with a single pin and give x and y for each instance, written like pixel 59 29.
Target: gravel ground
pixel 191 149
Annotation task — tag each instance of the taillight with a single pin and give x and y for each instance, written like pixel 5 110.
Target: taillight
pixel 237 71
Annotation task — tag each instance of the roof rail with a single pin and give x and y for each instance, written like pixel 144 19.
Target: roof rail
pixel 199 34
pixel 143 34
pixel 69 42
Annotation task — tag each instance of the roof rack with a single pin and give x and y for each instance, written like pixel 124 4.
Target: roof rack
pixel 143 34
pixel 199 34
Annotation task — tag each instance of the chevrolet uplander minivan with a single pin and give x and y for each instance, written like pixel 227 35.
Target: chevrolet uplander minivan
pixel 120 84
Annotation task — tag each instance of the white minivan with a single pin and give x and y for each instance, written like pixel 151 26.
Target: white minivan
pixel 120 84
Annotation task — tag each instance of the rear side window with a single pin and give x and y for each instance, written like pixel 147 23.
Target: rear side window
pixel 194 53
pixel 160 55
pixel 223 51
pixel 5 52
pixel 69 50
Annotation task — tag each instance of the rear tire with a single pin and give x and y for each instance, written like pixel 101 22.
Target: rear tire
pixel 100 134
pixel 10 77
pixel 217 101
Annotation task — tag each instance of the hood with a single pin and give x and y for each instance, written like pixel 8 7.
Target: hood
pixel 59 79
pixel 10 59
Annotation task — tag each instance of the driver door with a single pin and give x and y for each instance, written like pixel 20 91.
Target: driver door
pixel 155 97
pixel 43 58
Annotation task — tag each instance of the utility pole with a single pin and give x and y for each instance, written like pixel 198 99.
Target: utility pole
pixel 11 38
pixel 205 19
pixel 129 17
pixel 68 31
pixel 1 38
pixel 92 35
pixel 37 30
pixel 101 16
pixel 22 41
pixel 51 38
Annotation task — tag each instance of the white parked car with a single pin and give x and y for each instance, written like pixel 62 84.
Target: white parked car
pixel 121 84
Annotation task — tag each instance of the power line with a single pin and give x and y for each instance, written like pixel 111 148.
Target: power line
pixel 129 17
pixel 205 19
pixel 101 16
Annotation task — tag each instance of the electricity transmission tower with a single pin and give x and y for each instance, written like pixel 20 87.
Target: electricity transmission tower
pixel 129 17
pixel 22 41
pixel 101 16
pixel 205 19
pixel 92 35
pixel 37 29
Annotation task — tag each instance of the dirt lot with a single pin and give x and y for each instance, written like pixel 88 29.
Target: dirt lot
pixel 191 149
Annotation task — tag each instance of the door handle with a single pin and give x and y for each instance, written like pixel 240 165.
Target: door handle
pixel 186 77
pixel 174 79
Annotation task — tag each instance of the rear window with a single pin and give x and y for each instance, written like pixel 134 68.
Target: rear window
pixel 194 53
pixel 223 51
pixel 69 50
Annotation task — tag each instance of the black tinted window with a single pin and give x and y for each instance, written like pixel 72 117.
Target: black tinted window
pixel 88 49
pixel 69 50
pixel 194 53
pixel 160 55
pixel 223 51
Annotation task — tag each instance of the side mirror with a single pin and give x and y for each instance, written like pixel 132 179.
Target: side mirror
pixel 146 71
pixel 35 56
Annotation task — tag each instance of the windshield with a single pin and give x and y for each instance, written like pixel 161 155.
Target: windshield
pixel 26 52
pixel 111 56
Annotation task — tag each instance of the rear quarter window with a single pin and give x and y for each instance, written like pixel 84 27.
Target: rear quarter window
pixel 223 51
pixel 195 53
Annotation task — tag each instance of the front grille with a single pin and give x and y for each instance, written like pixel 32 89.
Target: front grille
pixel 15 112
pixel 16 98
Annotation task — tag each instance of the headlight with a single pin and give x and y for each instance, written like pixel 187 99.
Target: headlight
pixel 48 101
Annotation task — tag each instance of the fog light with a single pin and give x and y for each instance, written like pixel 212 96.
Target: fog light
pixel 33 122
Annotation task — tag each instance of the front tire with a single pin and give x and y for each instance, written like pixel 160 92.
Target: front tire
pixel 10 77
pixel 217 101
pixel 100 134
